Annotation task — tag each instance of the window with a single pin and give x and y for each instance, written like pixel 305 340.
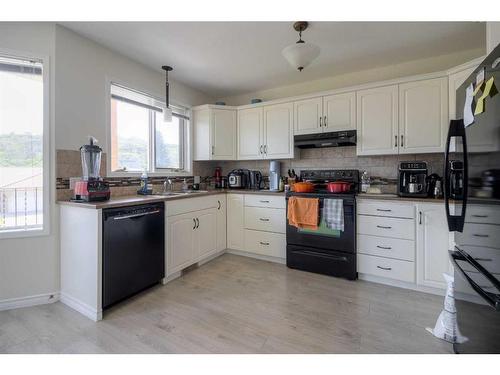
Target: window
pixel 141 140
pixel 22 148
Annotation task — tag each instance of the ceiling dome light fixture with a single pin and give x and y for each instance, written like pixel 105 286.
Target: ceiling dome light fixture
pixel 300 54
pixel 167 111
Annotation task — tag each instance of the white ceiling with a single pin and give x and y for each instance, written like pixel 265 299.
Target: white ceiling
pixel 230 58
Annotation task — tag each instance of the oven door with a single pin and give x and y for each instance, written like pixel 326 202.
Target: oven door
pixel 325 239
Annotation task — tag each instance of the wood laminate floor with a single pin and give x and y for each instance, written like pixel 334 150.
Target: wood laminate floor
pixel 238 305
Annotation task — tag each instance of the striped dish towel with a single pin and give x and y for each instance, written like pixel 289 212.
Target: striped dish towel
pixel 333 213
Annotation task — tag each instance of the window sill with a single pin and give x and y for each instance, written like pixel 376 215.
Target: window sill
pixel 150 174
pixel 21 233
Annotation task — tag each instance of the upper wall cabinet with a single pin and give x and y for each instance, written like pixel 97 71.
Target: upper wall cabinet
pixel 214 133
pixel 266 132
pixel 423 116
pixel 377 121
pixel 325 114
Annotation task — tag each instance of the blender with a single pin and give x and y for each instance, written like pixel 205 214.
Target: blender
pixel 92 188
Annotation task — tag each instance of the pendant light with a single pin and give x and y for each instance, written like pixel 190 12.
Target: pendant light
pixel 300 54
pixel 167 111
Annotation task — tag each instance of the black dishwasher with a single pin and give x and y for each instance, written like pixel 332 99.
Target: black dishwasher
pixel 133 256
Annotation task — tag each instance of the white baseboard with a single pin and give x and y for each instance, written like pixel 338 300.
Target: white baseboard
pixel 81 307
pixel 40 299
pixel 401 284
pixel 256 256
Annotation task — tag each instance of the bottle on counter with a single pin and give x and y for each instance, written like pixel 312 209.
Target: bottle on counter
pixel 365 182
pixel 144 189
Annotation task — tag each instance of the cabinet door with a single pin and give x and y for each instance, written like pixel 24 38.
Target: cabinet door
pixel 206 232
pixel 377 121
pixel 423 116
pixel 432 245
pixel 278 131
pixel 250 134
pixel 308 116
pixel 221 222
pixel 223 134
pixel 180 242
pixel 235 221
pixel 201 134
pixel 339 112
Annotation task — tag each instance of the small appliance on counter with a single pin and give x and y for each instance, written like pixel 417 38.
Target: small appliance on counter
pixel 434 186
pixel 256 180
pixel 412 177
pixel 239 179
pixel 274 175
pixel 456 178
pixel 92 188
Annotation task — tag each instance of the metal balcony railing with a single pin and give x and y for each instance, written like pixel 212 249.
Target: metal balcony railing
pixel 21 208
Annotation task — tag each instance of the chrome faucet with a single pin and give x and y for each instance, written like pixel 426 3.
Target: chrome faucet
pixel 168 185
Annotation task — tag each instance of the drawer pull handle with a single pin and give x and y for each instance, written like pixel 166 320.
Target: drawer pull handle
pixel 264 243
pixel 263 219
pixel 382 210
pixel 481 235
pixel 385 268
pixel 481 216
pixel 383 227
pixel 484 259
pixel 264 201
pixel 384 247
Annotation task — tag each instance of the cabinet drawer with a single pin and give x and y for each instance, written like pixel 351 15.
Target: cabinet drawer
pixel 386 227
pixel 482 214
pixel 184 205
pixel 479 235
pixel 265 243
pixel 385 208
pixel 486 256
pixel 384 267
pixel 265 219
pixel 386 247
pixel 269 201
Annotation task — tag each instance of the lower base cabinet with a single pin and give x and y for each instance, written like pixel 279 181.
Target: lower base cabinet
pixel 386 267
pixel 265 243
pixel 236 221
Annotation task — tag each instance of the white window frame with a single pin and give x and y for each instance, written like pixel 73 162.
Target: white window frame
pixel 47 152
pixel 187 146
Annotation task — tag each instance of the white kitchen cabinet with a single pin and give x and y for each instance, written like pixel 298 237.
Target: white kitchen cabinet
pixel 221 222
pixel 432 245
pixel 308 116
pixel 423 116
pixel 339 112
pixel 235 221
pixel 325 114
pixel 278 131
pixel 250 133
pixel 181 242
pixel 377 121
pixel 214 131
pixel 206 233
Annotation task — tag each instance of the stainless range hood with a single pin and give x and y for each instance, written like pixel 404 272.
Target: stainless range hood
pixel 332 139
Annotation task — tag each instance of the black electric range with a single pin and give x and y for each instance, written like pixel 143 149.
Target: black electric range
pixel 326 251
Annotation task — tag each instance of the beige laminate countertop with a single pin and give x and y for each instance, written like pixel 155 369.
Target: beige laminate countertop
pixel 132 200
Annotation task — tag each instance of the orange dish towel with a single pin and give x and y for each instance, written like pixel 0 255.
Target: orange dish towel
pixel 303 212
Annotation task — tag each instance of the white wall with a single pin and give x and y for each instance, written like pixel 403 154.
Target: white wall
pixel 79 67
pixel 30 267
pixel 492 35
pixel 428 65
pixel 83 68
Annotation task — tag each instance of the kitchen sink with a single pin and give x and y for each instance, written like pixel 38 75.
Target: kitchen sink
pixel 176 193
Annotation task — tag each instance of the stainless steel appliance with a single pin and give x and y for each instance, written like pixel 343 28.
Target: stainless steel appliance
pixel 239 179
pixel 274 175
pixel 327 139
pixel 92 187
pixel 473 208
pixel 434 186
pixel 329 252
pixel 133 250
pixel 256 180
pixel 412 177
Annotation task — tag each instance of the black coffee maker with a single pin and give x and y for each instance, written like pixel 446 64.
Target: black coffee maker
pixel 412 179
pixel 456 179
pixel 256 180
